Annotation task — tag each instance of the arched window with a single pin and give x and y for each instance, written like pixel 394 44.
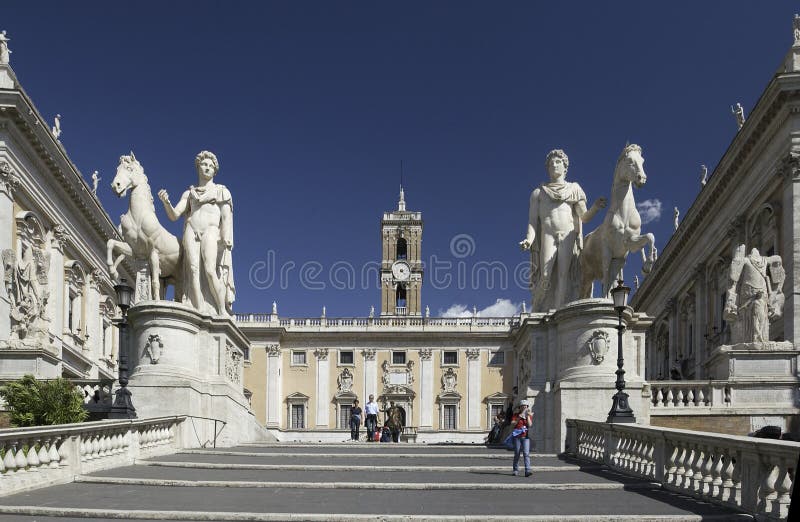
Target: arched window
pixel 402 248
pixel 400 299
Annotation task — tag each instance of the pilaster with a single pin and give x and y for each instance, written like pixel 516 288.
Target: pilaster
pixel 370 374
pixel 473 389
pixel 9 182
pixel 322 388
pixel 274 362
pixel 57 302
pixel 426 389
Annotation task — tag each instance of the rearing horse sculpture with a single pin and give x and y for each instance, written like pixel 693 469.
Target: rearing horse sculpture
pixel 144 237
pixel 606 248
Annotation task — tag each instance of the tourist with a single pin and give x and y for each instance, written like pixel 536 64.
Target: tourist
pixel 394 420
pixel 371 421
pixel 522 422
pixel 355 420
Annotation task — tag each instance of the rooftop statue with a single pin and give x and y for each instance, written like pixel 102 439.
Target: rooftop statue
pixel 5 52
pixel 795 27
pixel 207 239
pixel 56 130
pixel 555 235
pixel 703 175
pixel 95 180
pixel 143 236
pixel 755 295
pixel 675 214
pixel 738 113
pixel 607 247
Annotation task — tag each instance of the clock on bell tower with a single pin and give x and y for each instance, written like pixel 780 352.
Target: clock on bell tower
pixel 401 260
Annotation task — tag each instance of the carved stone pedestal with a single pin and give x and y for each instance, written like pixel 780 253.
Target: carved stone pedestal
pixel 758 361
pixel 573 360
pixel 187 363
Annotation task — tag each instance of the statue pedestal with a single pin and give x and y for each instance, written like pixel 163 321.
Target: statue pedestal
pixel 187 363
pixel 753 361
pixel 573 360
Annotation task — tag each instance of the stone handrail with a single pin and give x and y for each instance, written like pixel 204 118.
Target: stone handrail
pixel 690 394
pixel 748 474
pixel 46 455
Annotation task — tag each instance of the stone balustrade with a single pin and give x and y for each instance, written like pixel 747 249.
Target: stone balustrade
pixel 500 323
pixel 749 474
pixel 45 455
pixel 690 394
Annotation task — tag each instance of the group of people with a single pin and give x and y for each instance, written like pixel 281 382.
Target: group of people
pixel 392 426
pixel 517 423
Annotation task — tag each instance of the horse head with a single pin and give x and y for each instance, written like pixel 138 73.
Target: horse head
pixel 130 174
pixel 630 166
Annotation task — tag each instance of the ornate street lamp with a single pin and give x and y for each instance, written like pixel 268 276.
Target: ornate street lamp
pixel 123 406
pixel 620 409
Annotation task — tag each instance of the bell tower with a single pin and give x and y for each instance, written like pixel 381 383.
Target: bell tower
pixel 401 260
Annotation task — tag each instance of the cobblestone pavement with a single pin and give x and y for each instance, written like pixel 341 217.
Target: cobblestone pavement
pixel 356 482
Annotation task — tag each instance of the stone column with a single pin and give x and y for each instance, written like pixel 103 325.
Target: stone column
pixel 790 255
pixel 370 374
pixel 323 388
pixel 9 182
pixel 426 389
pixel 273 390
pixel 700 290
pixel 473 389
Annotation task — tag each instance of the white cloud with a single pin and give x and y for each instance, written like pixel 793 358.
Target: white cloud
pixel 650 210
pixel 500 308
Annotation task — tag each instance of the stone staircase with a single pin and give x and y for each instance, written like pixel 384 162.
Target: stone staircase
pixel 356 481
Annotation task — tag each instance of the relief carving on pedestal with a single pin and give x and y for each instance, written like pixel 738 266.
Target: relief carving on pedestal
pixel 598 345
pixel 153 348
pixel 233 364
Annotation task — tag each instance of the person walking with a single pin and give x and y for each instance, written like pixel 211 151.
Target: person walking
pixel 371 418
pixel 355 420
pixel 522 422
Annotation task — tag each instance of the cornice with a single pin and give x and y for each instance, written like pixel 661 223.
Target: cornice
pixel 783 90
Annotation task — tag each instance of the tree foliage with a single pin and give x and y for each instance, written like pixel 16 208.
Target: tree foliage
pixel 40 403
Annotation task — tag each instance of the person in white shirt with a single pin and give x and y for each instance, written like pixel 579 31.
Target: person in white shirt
pixel 371 417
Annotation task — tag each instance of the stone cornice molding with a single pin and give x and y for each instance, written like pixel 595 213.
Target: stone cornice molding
pixel 273 350
pixel 321 354
pixel 778 100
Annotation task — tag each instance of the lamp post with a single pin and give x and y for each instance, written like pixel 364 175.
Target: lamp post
pixel 123 406
pixel 620 409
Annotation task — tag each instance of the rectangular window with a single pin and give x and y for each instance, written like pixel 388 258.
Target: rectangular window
pixel 298 358
pixel 497 358
pixel 449 417
pixel 298 417
pixel 398 357
pixel 344 417
pixel 346 357
pixel 450 357
pixel 496 409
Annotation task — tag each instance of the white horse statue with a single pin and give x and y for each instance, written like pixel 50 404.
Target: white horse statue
pixel 144 237
pixel 606 248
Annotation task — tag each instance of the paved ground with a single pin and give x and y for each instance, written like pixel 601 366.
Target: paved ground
pixel 355 482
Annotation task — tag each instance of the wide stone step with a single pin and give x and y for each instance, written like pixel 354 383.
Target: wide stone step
pixel 220 503
pixel 601 475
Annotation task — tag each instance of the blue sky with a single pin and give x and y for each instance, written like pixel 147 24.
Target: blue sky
pixel 310 106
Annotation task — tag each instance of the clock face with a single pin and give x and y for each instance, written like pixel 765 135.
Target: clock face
pixel 401 271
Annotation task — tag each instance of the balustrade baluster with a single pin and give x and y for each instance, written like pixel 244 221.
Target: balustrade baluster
pixel 690 398
pixel 44 453
pixel 767 493
pixel 672 465
pixel 670 398
pixel 708 466
pixel 55 454
pixel 8 460
pixel 783 487
pixel 32 457
pixel 716 474
pixel 679 398
pixel 19 457
pixel 658 398
pixel 681 468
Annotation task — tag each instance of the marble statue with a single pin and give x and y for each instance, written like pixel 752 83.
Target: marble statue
pixel 144 238
pixel 555 235
pixel 755 295
pixel 371 312
pixel 427 311
pixel 795 27
pixel 703 175
pixel 207 239
pixel 95 180
pixel 324 311
pixel 675 214
pixel 5 52
pixel 607 247
pixel 738 113
pixel 57 127
pixel 274 308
